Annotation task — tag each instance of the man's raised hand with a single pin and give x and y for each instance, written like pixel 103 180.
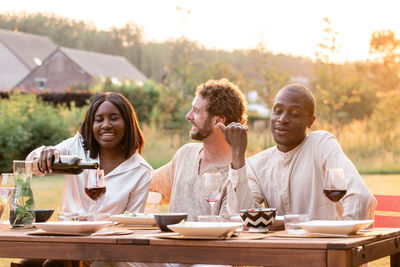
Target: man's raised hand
pixel 236 136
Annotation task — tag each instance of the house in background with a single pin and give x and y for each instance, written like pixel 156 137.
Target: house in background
pixel 33 62
pixel 20 53
pixel 66 68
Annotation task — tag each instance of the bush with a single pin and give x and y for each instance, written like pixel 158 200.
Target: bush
pixel 26 122
pixel 142 97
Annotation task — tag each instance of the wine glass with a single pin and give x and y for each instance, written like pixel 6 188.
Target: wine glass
pixel 335 186
pixel 211 189
pixel 95 187
pixel 6 191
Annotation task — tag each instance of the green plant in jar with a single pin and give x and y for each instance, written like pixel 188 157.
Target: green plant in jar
pixel 22 212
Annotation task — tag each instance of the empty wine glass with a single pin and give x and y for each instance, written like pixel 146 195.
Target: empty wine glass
pixel 95 186
pixel 6 191
pixel 335 186
pixel 211 189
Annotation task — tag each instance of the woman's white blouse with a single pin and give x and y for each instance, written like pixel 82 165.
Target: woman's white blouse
pixel 127 185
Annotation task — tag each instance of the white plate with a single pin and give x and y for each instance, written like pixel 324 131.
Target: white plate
pixel 140 219
pixel 335 227
pixel 205 229
pixel 71 227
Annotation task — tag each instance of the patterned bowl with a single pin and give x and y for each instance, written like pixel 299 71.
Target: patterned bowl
pixel 258 220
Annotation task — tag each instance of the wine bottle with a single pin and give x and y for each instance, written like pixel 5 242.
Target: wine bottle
pixel 72 165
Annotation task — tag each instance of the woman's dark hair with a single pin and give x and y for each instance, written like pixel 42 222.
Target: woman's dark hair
pixel 133 138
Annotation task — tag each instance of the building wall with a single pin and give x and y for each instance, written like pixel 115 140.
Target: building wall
pixel 12 70
pixel 59 73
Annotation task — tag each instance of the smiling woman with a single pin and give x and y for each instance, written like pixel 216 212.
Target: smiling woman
pixel 109 134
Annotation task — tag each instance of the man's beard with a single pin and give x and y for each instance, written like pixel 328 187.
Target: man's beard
pixel 203 132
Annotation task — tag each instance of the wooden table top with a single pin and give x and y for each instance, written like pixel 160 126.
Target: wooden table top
pixel 139 247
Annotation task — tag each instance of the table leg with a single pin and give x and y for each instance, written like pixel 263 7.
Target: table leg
pixel 338 258
pixel 395 260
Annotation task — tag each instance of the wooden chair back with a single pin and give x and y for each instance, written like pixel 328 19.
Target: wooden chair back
pixel 387 203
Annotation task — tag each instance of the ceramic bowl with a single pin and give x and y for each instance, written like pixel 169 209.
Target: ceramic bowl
pixel 165 219
pixel 258 220
pixel 43 215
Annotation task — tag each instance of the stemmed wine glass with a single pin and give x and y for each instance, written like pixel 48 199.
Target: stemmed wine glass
pixel 95 187
pixel 211 188
pixel 335 186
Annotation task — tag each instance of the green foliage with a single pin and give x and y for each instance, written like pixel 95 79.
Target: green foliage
pixel 385 120
pixel 271 76
pixel 384 71
pixel 142 97
pixel 171 111
pixel 27 123
pixel 23 201
pixel 342 93
pixel 156 60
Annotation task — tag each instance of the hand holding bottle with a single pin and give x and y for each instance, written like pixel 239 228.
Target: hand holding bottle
pixel 51 161
pixel 45 161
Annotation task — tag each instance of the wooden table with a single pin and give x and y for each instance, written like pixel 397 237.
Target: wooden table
pixel 270 251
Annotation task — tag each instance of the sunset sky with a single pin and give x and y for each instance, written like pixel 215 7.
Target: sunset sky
pixel 285 26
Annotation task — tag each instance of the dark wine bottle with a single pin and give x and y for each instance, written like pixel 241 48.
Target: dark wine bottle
pixel 72 165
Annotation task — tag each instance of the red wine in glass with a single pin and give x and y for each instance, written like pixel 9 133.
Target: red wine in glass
pixel 335 187
pixel 95 192
pixel 95 186
pixel 334 195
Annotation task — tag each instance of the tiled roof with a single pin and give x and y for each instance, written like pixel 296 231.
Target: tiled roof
pixel 30 49
pixel 104 65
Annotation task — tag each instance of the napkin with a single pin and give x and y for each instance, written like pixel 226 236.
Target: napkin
pixel 103 232
pixel 359 234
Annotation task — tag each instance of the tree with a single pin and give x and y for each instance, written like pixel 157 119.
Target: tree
pixel 142 97
pixel 385 68
pixel 272 76
pixel 385 119
pixel 342 91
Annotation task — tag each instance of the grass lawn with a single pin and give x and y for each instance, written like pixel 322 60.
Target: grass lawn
pixel 47 194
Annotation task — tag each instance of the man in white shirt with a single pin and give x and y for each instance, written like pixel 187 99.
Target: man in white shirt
pixel 179 181
pixel 290 175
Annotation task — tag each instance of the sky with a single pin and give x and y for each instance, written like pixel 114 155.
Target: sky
pixel 285 26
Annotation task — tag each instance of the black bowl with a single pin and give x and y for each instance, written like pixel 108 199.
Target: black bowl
pixel 43 215
pixel 164 219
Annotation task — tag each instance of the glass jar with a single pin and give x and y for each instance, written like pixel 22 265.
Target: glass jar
pixel 22 206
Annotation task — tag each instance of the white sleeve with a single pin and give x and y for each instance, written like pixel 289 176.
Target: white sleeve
pixel 239 193
pixel 138 196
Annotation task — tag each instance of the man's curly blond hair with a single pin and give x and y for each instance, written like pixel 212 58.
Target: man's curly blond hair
pixel 224 99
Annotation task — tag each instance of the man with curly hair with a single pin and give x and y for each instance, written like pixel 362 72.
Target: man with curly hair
pixel 179 181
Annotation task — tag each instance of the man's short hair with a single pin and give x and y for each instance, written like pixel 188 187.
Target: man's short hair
pixel 301 89
pixel 224 99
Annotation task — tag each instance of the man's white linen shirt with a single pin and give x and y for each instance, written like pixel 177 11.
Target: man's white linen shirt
pixel 127 185
pixel 292 182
